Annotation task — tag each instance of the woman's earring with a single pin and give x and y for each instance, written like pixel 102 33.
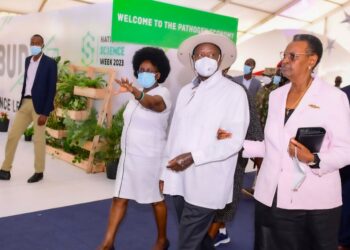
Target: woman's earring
pixel 309 67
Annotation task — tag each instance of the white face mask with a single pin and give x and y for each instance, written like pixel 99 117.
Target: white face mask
pixel 206 66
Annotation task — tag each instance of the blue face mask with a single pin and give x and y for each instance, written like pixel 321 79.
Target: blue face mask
pixel 247 69
pixel 35 50
pixel 146 79
pixel 276 79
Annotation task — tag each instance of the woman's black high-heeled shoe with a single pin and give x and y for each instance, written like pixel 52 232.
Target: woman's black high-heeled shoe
pixel 167 245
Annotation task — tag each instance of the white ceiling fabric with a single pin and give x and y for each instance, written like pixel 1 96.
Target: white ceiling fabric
pixel 255 16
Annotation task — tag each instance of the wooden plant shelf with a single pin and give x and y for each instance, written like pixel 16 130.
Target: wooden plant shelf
pixel 90 92
pixel 74 115
pixel 89 145
pixel 104 116
pixel 60 154
pixel 58 134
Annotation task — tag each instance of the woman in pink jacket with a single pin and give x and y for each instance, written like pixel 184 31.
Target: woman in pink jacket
pixel 298 193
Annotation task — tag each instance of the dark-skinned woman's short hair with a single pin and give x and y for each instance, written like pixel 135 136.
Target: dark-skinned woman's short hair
pixel 314 44
pixel 156 56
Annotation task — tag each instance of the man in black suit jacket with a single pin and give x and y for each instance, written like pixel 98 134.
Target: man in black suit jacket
pixel 38 92
pixel 344 231
pixel 347 91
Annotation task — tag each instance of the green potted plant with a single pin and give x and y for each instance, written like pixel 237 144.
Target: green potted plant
pixel 78 133
pixel 111 152
pixel 93 88
pixel 68 104
pixel 54 142
pixel 28 133
pixel 80 136
pixel 80 154
pixel 4 122
pixel 55 126
pixel 75 106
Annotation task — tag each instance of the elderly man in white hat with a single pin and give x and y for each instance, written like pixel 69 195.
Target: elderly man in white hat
pixel 199 167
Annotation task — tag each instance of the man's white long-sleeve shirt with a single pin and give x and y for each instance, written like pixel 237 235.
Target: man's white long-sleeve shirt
pixel 31 73
pixel 200 111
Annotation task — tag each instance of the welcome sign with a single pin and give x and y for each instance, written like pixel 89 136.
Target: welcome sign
pixel 159 24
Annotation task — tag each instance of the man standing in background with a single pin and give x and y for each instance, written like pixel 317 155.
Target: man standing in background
pixel 38 93
pixel 251 83
pixel 338 80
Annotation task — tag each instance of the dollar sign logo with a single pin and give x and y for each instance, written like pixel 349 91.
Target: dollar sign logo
pixel 88 50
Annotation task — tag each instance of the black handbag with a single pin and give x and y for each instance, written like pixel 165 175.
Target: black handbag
pixel 311 138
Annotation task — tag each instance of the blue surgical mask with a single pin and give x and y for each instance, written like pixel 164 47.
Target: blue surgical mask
pixel 247 69
pixel 35 50
pixel 146 79
pixel 276 79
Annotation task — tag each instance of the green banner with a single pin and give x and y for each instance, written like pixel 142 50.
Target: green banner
pixel 164 25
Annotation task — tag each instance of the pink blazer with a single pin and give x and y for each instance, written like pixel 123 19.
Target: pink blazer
pixel 322 106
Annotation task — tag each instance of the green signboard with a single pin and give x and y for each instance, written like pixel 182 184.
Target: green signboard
pixel 160 24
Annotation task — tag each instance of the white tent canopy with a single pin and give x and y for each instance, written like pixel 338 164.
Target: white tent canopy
pixel 328 18
pixel 255 16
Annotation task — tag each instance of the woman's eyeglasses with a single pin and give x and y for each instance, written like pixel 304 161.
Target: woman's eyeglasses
pixel 292 56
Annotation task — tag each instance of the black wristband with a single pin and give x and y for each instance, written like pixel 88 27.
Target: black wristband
pixel 316 163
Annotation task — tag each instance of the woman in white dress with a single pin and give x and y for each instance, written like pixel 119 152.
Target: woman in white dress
pixel 142 143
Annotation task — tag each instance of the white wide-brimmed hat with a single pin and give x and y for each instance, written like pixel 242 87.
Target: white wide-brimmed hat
pixel 227 47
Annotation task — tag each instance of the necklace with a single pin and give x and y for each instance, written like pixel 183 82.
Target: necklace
pixel 295 104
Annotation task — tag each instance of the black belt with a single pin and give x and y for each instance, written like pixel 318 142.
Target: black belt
pixel 27 97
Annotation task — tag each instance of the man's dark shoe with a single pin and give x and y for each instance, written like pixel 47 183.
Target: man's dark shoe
pixel 36 177
pixel 5 175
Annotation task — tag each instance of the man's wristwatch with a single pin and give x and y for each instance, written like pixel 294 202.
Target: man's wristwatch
pixel 315 163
